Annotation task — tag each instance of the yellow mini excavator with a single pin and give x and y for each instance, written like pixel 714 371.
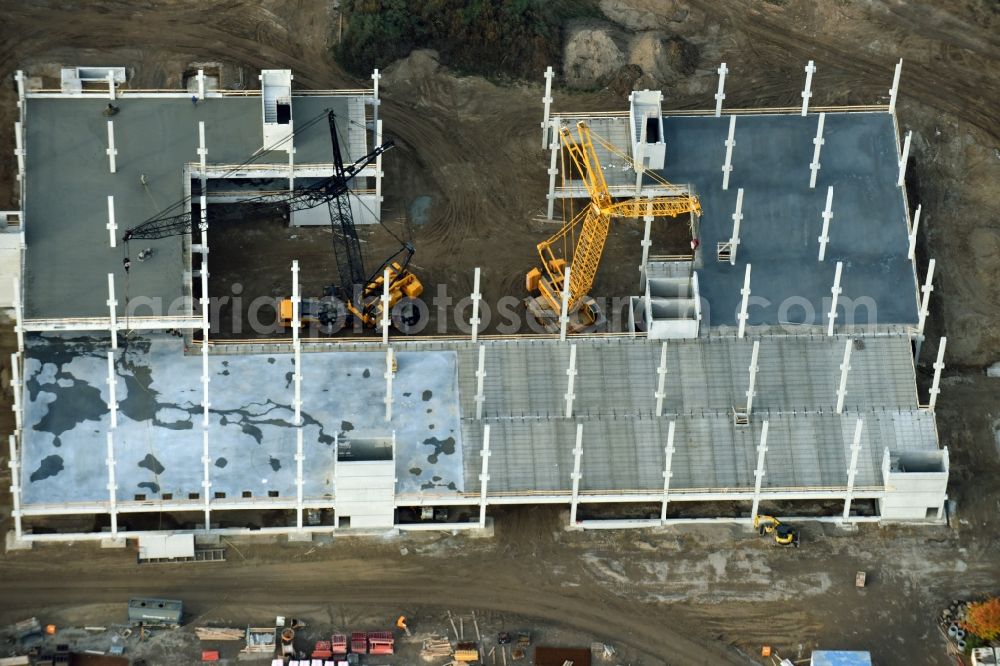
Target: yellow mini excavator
pixel 784 535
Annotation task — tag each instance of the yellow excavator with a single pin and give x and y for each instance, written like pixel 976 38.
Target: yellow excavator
pixel 358 294
pixel 784 535
pixel 591 227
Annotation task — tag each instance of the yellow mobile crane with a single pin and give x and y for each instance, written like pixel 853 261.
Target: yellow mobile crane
pixel 593 223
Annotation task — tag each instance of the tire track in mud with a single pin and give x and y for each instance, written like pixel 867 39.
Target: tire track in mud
pixel 955 90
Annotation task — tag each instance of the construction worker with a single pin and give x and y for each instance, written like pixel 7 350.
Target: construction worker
pixel 111 109
pixel 126 263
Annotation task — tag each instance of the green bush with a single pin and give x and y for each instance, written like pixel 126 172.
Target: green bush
pixel 512 38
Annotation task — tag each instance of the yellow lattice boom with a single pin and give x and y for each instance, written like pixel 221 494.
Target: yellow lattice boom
pixel 592 224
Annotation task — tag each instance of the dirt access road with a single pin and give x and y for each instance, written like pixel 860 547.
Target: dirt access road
pixel 687 597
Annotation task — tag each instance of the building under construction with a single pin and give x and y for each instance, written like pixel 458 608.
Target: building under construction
pixel 771 368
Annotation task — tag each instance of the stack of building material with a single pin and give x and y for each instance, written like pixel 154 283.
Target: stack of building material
pixel 467 652
pixel 435 647
pixel 260 639
pixel 322 650
pixel 338 644
pixel 219 633
pixel 359 642
pixel 380 642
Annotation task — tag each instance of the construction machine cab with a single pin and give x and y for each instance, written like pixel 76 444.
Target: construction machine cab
pixel 784 535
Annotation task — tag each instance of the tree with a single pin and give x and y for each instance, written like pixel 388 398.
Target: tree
pixel 983 619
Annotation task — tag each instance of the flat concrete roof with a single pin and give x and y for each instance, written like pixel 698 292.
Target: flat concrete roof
pixel 68 181
pixel 252 442
pixel 158 442
pixel 782 216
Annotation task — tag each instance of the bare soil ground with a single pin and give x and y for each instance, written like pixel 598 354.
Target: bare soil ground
pixel 687 597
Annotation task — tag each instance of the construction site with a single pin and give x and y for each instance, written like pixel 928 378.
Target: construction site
pixel 260 313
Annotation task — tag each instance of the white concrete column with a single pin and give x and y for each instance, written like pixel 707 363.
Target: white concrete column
pixel 291 172
pixel 388 383
pixel 835 295
pixel 661 382
pixel 925 300
pixel 111 86
pixel 845 368
pixel 113 310
pixel 824 237
pixel 19 150
pixel 577 457
pixel 547 105
pixel 474 321
pixel 759 471
pixel 564 306
pixel 18 314
pixel 202 153
pixel 720 94
pixel 553 170
pixel 112 486
pixel 938 367
pixel 639 158
pixel 894 90
pixel 852 469
pixel 15 486
pixel 484 475
pixel 745 291
pixel 379 174
pixel 15 387
pixel 648 306
pixel 111 226
pixel 734 240
pixel 377 128
pixel 646 242
pixel 205 324
pixel 912 251
pixel 730 142
pixel 333 473
pixel 570 381
pixel 19 81
pixel 480 383
pixel 817 146
pixel 903 158
pixel 112 390
pixel 111 151
pixel 296 341
pixel 299 482
pixel 206 482
pixel 201 84
pixel 752 386
pixel 385 307
pixel 807 91
pixel 668 457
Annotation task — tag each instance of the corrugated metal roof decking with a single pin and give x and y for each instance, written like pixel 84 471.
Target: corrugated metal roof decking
pixel 617 376
pixel 624 454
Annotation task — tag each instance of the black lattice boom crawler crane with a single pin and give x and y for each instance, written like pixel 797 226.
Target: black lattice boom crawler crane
pixel 358 292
